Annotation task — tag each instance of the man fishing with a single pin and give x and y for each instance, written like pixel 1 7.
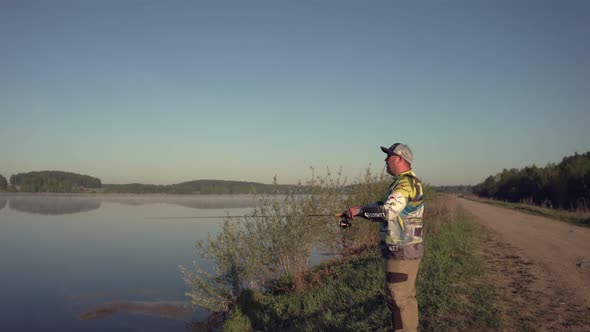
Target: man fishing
pixel 400 215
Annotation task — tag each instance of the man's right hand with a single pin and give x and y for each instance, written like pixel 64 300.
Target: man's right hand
pixel 352 212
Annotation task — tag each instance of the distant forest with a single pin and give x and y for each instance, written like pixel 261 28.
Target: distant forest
pixel 460 189
pixel 51 181
pixel 3 183
pixel 66 182
pixel 203 187
pixel 565 185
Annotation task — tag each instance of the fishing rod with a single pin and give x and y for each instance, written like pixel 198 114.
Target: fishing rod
pixel 344 220
pixel 244 216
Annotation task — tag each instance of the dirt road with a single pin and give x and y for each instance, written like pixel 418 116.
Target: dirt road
pixel 542 268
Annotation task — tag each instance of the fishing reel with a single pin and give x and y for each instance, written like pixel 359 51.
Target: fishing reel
pixel 344 222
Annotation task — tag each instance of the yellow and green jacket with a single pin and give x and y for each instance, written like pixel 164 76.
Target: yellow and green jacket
pixel 400 214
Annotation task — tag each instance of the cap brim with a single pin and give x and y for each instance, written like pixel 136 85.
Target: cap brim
pixel 386 150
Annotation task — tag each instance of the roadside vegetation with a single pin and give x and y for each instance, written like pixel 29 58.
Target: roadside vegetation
pixel 563 186
pixel 559 191
pixel 580 216
pixel 264 280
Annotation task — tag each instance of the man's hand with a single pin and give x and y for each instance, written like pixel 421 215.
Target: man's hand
pixel 352 212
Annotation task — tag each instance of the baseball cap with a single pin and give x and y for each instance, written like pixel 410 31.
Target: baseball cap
pixel 401 150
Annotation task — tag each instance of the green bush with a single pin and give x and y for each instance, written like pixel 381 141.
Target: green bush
pixel 274 242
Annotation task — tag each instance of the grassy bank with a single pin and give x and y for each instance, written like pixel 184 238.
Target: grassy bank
pixel 580 218
pixel 453 291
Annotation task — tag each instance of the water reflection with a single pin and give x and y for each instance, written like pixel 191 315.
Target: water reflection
pixel 55 204
pixel 110 263
pixel 197 202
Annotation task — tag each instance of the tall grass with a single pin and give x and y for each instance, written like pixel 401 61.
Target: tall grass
pixel 453 290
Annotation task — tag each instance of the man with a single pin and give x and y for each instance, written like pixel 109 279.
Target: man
pixel 400 215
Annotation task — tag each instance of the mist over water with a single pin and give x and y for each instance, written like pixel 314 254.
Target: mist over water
pixel 98 263
pixel 70 203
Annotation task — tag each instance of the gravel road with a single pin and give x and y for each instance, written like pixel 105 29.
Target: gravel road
pixel 541 265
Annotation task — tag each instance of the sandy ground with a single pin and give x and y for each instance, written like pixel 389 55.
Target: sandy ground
pixel 541 267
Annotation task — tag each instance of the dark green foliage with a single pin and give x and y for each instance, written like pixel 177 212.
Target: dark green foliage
pixel 53 181
pixel 3 183
pixel 566 185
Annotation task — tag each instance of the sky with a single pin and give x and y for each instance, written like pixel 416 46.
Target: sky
pixel 169 91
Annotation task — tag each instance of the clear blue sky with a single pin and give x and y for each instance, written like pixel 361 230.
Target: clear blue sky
pixel 169 91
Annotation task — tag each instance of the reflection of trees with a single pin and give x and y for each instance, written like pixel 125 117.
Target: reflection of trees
pixel 64 204
pixel 2 203
pixel 53 204
pixel 197 202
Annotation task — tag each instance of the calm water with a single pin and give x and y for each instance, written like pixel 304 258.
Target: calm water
pixel 63 257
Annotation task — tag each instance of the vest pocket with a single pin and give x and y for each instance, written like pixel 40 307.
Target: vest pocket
pixel 418 231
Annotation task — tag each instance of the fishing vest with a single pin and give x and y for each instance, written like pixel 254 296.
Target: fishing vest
pixel 401 234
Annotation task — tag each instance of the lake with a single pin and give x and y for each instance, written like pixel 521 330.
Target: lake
pixel 102 262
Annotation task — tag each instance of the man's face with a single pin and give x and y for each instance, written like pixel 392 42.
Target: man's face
pixel 393 163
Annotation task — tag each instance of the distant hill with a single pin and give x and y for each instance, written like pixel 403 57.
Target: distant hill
pixel 203 187
pixel 228 187
pixel 67 182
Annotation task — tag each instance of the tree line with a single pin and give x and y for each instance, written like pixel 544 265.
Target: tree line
pixel 66 182
pixel 52 181
pixel 565 185
pixel 203 187
pixel 458 189
pixel 3 183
